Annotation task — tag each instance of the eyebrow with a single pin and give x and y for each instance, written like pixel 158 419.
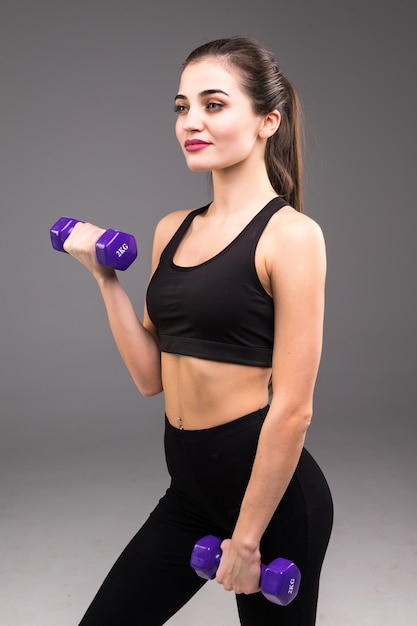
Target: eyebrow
pixel 206 92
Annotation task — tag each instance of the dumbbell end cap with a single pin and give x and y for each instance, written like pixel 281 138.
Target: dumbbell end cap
pixel 205 557
pixel 281 581
pixel 60 231
pixel 116 249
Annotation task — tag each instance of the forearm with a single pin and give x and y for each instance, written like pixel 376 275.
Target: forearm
pixel 137 346
pixel 279 448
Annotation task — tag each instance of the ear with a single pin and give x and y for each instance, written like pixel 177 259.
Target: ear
pixel 270 124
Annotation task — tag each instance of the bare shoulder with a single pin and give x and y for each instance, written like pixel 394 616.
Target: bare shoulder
pixel 292 232
pixel 167 225
pixel 292 226
pixel 166 228
pixel 291 240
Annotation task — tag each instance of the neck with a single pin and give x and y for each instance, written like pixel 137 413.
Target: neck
pixel 241 188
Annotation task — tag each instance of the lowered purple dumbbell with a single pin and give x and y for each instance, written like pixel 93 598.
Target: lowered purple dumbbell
pixel 279 581
pixel 113 249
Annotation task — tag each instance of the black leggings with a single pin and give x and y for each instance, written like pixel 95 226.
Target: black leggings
pixel 152 579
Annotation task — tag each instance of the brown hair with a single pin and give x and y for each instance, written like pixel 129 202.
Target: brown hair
pixel 268 89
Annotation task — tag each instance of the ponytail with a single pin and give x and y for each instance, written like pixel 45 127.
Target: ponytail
pixel 283 155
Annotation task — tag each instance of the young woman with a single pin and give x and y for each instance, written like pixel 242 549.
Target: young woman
pixel 235 302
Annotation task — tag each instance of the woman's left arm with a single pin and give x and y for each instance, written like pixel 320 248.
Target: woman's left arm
pixel 296 260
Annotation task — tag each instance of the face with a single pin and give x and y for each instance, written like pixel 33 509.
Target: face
pixel 216 126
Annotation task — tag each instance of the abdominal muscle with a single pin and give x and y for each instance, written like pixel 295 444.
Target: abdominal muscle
pixel 202 394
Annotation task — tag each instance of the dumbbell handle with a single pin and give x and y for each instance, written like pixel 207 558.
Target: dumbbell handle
pixel 113 249
pixel 279 581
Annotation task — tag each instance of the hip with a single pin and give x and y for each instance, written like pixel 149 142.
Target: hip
pixel 210 469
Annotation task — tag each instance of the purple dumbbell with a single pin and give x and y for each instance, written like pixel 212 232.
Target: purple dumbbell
pixel 279 581
pixel 113 249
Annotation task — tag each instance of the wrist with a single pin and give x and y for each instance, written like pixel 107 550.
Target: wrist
pixel 247 533
pixel 247 543
pixel 105 276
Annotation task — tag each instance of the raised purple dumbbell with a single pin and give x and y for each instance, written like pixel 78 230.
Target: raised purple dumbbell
pixel 279 581
pixel 113 249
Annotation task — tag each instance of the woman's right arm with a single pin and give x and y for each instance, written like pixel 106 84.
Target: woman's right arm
pixel 137 342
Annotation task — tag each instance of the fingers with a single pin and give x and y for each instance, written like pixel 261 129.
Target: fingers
pixel 82 238
pixel 237 573
pixel 81 244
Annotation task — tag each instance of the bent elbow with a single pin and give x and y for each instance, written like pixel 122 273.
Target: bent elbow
pixel 148 386
pixel 149 390
pixel 149 393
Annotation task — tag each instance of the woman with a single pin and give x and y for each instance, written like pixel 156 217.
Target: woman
pixel 235 302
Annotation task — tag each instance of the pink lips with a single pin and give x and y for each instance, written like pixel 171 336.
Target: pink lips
pixel 192 145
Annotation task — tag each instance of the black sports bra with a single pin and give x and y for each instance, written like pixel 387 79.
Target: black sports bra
pixel 217 310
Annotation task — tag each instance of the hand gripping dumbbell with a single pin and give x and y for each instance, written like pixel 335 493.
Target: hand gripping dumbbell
pixel 279 581
pixel 113 249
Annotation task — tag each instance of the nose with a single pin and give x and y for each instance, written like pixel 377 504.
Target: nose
pixel 192 120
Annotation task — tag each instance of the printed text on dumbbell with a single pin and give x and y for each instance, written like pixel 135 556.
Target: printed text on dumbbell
pixel 120 252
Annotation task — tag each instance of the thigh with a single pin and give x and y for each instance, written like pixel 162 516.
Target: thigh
pixel 300 531
pixel 150 581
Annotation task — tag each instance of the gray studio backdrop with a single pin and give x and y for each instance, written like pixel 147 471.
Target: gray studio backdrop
pixel 87 130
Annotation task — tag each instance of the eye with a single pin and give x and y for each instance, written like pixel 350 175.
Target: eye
pixel 214 106
pixel 180 108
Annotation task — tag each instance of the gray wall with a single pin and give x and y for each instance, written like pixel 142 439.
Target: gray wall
pixel 87 130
